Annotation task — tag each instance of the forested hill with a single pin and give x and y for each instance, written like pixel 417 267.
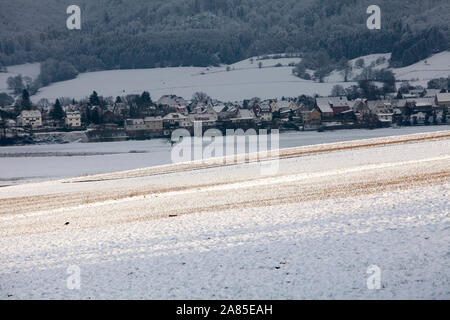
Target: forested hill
pixel 152 33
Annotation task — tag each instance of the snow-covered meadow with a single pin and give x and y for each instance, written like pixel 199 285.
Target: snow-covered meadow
pixel 30 70
pixel 437 66
pixel 243 80
pixel 310 231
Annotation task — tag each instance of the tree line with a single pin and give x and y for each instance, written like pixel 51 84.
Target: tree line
pixel 119 34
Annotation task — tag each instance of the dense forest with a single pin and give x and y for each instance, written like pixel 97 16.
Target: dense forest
pixel 122 34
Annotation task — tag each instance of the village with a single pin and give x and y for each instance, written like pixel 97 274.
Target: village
pixel 138 117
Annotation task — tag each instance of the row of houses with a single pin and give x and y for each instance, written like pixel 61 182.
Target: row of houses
pixel 326 111
pixel 213 113
pixel 34 119
pixel 415 110
pixel 171 112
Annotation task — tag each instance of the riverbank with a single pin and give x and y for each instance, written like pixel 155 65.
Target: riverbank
pixel 31 163
pixel 42 138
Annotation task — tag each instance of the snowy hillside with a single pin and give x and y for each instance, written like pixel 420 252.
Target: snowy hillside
pixel 421 72
pixel 187 232
pixel 26 70
pixel 243 80
pixel 376 61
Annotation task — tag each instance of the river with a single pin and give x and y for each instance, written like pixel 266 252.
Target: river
pixel 23 164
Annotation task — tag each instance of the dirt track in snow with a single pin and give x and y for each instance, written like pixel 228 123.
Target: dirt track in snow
pixel 174 190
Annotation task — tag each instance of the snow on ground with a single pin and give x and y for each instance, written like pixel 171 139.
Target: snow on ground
pixel 311 250
pixel 311 231
pixel 420 73
pixel 376 61
pixel 252 63
pixel 436 66
pixel 244 80
pixel 31 70
pixel 271 82
pixel 21 164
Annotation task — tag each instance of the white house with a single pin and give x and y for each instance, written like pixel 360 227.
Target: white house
pixel 443 100
pixel 31 118
pixel 207 116
pixel 135 125
pixel 73 119
pixel 153 123
pixel 177 119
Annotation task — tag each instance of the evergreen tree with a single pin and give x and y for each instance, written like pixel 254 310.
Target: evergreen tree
pixel 93 99
pixel 57 112
pixel 25 100
pixel 95 116
pixel 145 98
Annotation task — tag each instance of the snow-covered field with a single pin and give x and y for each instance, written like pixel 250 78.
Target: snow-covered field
pixel 437 66
pixel 31 70
pixel 241 83
pixel 310 231
pixel 244 79
pixel 376 61
pixel 21 164
pixel 420 73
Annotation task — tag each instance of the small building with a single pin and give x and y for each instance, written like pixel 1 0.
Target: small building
pixel 274 106
pixel 176 119
pixel 73 119
pixel 331 106
pixel 207 116
pixel 339 104
pixel 311 117
pixel 385 119
pixel 31 118
pixel 443 100
pixel 182 109
pixel 266 115
pixel 135 125
pixel 286 106
pixel 154 126
pixel 323 105
pixel 244 117
pixel 380 106
pixel 360 108
pixel 153 123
